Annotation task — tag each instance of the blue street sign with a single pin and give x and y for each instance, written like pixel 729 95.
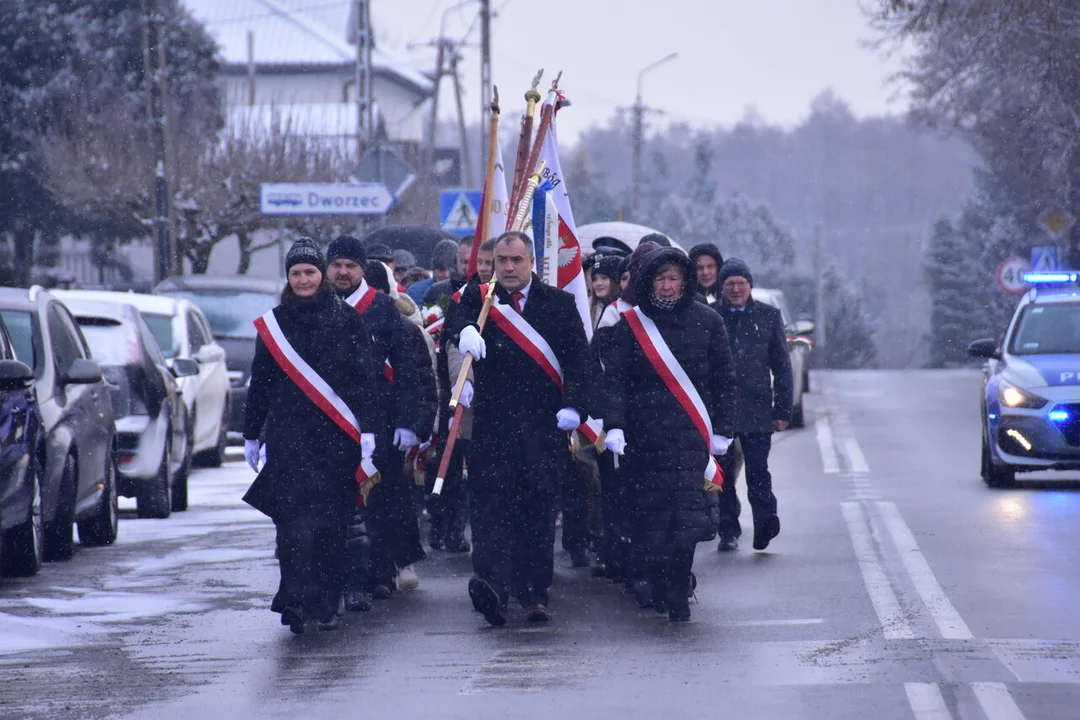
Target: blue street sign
pixel 459 211
pixel 1044 258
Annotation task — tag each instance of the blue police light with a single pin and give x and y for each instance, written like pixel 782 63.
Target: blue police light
pixel 1052 278
pixel 1058 415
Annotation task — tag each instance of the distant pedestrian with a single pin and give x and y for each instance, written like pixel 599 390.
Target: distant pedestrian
pixel 443 262
pixel 707 262
pixel 309 483
pixel 763 400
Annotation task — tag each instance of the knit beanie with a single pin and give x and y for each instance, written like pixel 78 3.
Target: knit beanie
pixel 305 251
pixel 636 258
pixel 346 247
pixel 735 268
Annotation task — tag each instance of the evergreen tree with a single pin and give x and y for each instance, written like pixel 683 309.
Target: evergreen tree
pixel 954 281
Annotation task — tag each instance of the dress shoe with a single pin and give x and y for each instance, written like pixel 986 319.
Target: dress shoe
pixel 487 602
pixel 358 601
pixel 538 613
pixel 728 543
pixel 598 569
pixel 766 531
pixel 293 616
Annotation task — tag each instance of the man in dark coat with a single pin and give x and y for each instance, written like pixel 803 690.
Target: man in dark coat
pixel 707 263
pixel 443 264
pixel 666 456
pixel 308 485
pixel 521 417
pixel 764 395
pixel 395 534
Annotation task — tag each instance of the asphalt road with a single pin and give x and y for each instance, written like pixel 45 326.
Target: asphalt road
pixel 900 587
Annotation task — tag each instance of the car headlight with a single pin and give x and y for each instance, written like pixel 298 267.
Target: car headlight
pixel 1014 397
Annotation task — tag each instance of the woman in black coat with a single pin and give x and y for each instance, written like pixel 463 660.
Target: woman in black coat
pixel 665 455
pixel 308 485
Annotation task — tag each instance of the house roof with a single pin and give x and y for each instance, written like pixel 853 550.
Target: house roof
pixel 294 33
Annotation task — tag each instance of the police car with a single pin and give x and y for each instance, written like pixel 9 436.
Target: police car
pixel 1031 398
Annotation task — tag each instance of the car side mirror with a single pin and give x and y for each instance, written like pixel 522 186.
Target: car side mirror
pixel 15 375
pixel 210 354
pixel 986 349
pixel 82 372
pixel 804 327
pixel 182 367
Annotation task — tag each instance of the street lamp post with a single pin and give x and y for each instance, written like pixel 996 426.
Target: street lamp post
pixel 639 131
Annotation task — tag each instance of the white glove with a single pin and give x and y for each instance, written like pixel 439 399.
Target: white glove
pixel 615 441
pixel 465 399
pixel 251 454
pixel 262 456
pixel 568 419
pixel 367 445
pixel 718 444
pixel 470 343
pixel 404 438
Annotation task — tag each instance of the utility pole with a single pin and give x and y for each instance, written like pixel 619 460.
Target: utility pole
pixel 821 314
pixel 365 120
pixel 153 75
pixel 466 163
pixel 485 72
pixel 639 136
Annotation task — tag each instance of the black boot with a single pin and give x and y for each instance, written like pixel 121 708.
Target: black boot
pixel 679 604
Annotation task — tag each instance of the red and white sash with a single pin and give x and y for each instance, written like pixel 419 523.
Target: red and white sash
pixel 677 381
pixel 528 339
pixel 361 299
pixel 312 385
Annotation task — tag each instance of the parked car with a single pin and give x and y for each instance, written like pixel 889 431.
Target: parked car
pixel 799 346
pixel 78 480
pixel 231 304
pixel 182 331
pixel 21 532
pixel 153 455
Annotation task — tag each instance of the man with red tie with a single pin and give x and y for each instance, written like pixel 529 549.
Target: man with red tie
pixel 531 386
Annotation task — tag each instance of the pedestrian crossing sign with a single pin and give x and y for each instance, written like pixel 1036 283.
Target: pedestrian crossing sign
pixel 459 211
pixel 1044 259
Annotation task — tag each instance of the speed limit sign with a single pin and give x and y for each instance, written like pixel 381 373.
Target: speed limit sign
pixel 1010 274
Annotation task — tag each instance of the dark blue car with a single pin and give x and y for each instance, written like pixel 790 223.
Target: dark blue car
pixel 22 545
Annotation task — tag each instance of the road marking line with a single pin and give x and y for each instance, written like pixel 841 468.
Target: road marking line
pixel 926 701
pixel 856 460
pixel 894 622
pixel 948 620
pixel 829 459
pixel 770 623
pixel 996 701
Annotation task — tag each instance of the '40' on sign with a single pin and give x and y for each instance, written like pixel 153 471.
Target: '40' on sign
pixel 1010 274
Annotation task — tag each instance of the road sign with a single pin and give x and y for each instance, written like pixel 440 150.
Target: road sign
pixel 382 165
pixel 324 199
pixel 459 211
pixel 1010 274
pixel 1044 258
pixel 1057 223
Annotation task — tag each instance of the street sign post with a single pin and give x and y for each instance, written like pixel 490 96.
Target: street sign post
pixel 459 211
pixel 324 199
pixel 1010 274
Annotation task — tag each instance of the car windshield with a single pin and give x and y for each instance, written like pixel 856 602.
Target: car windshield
pixel 110 341
pixel 231 313
pixel 162 328
pixel 20 326
pixel 1049 329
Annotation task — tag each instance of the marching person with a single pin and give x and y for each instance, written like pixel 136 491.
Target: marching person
pixel 707 262
pixel 763 397
pixel 670 406
pixel 615 551
pixel 309 483
pixel 605 284
pixel 391 521
pixel 530 376
pixel 443 261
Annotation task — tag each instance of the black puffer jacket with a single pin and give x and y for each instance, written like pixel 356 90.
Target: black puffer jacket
pixel 311 462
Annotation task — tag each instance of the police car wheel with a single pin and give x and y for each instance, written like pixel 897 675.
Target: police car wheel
pixel 993 474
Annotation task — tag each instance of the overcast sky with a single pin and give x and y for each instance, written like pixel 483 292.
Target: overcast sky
pixel 770 55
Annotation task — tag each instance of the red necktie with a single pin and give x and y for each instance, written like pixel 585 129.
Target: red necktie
pixel 516 298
